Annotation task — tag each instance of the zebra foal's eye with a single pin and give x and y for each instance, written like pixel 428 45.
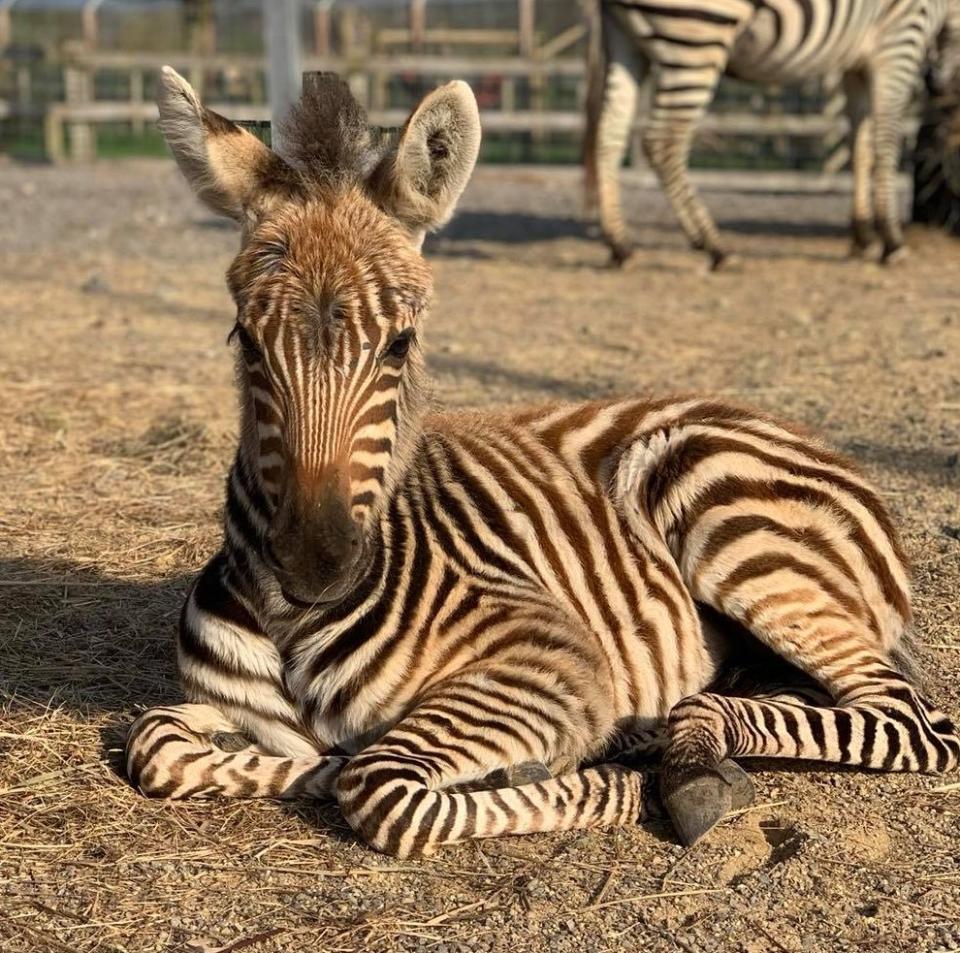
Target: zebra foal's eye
pixel 399 346
pixel 249 346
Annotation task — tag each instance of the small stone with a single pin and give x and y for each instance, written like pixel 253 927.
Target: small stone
pixel 95 284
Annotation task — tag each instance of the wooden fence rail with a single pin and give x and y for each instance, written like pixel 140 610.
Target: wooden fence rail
pixel 370 76
pixel 80 117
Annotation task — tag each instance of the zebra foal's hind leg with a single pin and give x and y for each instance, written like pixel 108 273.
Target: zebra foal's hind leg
pixel 700 781
pixel 187 751
pixel 878 721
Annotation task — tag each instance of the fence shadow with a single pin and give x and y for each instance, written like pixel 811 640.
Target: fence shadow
pixel 79 639
pixel 490 372
pixel 470 231
pixel 755 226
pixel 510 227
pixel 926 464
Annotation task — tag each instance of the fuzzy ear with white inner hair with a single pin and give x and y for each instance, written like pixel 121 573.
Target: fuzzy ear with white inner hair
pixel 420 180
pixel 228 168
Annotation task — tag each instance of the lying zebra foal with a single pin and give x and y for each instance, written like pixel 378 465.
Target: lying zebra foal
pixel 449 622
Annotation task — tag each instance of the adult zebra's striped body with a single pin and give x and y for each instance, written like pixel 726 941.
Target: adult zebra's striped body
pixel 452 622
pixel 879 46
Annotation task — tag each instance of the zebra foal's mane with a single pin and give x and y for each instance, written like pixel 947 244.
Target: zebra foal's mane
pixel 326 136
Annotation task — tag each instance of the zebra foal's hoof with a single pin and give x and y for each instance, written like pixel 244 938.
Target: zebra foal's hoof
pixel 699 802
pixel 530 772
pixel 230 741
pixel 515 776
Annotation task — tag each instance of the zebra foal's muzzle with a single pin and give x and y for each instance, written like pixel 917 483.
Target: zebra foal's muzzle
pixel 314 547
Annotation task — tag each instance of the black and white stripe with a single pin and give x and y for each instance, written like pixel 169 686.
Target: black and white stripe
pixel 879 47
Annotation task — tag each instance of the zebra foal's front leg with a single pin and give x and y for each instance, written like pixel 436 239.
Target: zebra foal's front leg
pixel 393 793
pixel 188 751
pixel 203 749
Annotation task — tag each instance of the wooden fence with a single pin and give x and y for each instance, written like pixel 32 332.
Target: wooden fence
pixel 519 87
pixel 370 79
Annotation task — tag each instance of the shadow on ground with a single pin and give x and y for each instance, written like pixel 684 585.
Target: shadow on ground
pixel 89 642
pixel 938 463
pixel 512 228
pixel 491 372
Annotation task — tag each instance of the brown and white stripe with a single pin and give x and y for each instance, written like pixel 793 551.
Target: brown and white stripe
pixel 481 610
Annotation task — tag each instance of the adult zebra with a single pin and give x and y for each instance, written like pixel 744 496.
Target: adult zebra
pixel 502 599
pixel 878 45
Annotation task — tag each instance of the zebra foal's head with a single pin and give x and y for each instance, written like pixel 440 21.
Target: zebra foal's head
pixel 330 289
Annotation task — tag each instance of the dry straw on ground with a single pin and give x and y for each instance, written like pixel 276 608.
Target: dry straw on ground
pixel 118 422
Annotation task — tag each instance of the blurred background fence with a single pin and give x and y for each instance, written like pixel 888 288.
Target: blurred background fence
pixel 77 77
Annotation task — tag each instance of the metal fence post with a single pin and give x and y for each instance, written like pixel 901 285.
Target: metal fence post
pixel 6 22
pixel 418 24
pixel 78 91
pixel 281 23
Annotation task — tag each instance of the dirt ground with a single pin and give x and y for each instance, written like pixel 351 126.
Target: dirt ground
pixel 117 428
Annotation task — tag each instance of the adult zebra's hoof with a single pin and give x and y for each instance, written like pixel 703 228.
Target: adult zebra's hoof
pixel 894 255
pixel 858 252
pixel 699 802
pixel 619 254
pixel 864 243
pixel 724 261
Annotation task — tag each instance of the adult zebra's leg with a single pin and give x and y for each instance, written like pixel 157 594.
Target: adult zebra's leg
pixel 392 793
pixel 857 90
pixel 893 78
pixel 680 100
pixel 624 71
pixel 187 751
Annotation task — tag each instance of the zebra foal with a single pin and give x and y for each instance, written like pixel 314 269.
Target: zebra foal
pixel 880 47
pixel 453 623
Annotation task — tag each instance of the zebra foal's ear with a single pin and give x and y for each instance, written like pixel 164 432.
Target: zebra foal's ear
pixel 420 180
pixel 229 169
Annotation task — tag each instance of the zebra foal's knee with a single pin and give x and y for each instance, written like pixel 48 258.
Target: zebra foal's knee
pixel 380 802
pixel 147 737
